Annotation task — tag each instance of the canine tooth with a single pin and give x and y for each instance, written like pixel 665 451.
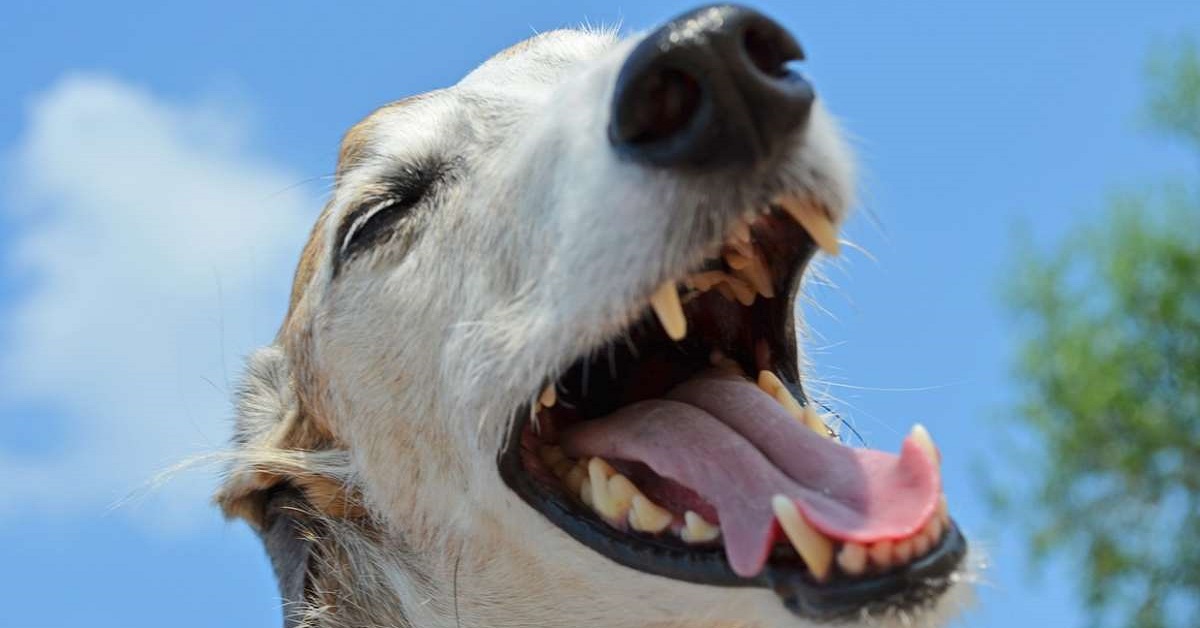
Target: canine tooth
pixel 852 559
pixel 882 554
pixel 575 478
pixel 903 552
pixel 943 511
pixel 548 397
pixel 697 530
pixel 815 221
pixel 665 302
pixel 647 516
pixel 813 547
pixel 921 436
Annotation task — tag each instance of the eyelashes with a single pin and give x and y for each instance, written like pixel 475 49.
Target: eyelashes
pixel 374 221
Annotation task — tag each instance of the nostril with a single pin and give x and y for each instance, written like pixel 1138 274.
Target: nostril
pixel 667 102
pixel 763 53
pixel 769 49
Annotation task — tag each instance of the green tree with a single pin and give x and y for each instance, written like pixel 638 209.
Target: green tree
pixel 1108 371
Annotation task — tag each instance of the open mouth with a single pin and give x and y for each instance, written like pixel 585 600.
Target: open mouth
pixel 687 448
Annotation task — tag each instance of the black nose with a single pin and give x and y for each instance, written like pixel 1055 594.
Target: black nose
pixel 710 88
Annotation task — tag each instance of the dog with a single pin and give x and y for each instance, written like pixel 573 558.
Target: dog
pixel 540 364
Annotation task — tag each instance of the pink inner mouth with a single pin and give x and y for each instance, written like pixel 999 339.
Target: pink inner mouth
pixel 720 438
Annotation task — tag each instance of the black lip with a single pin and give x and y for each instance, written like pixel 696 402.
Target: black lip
pixel 913 585
pixel 916 584
pixel 699 565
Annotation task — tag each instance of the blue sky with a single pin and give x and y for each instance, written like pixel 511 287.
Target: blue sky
pixel 160 164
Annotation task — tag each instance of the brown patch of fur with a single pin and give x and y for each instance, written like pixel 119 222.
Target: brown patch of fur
pixel 332 498
pixel 356 143
pixel 309 259
pixel 281 440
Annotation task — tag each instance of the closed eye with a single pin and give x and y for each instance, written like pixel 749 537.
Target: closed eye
pixel 374 220
pixel 366 223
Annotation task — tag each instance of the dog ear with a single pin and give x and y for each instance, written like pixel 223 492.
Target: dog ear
pixel 290 544
pixel 276 443
pixel 287 476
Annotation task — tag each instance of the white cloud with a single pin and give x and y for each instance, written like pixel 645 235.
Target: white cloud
pixel 159 251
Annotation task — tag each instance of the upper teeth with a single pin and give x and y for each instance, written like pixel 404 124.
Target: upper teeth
pixel 548 397
pixel 665 302
pixel 698 530
pixel 603 501
pixel 757 275
pixel 814 220
pixel 770 383
pixel 734 288
pixel 647 516
pixel 751 276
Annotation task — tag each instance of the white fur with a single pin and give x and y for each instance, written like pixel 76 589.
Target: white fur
pixel 541 246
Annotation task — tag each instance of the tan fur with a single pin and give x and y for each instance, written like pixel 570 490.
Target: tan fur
pixel 356 143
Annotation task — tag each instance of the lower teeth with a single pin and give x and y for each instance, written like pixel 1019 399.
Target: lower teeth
pixel 697 530
pixel 617 500
pixel 647 516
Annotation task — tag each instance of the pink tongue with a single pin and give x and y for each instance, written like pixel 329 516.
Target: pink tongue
pixel 730 442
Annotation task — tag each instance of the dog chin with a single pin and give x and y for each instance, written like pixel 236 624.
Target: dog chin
pixel 550 571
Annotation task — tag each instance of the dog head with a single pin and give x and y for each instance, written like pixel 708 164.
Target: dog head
pixel 540 365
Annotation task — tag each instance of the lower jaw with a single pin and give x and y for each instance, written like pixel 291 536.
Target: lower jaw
pixel 913 585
